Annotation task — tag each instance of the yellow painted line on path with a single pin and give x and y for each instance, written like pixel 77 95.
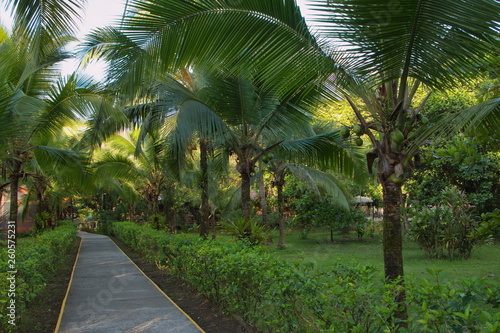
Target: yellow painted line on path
pixel 69 286
pixel 159 289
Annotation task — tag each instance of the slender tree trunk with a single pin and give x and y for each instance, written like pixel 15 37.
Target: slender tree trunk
pixel 246 210
pixel 14 197
pixel 393 243
pixel 245 169
pixel 205 208
pixel 281 217
pixel 263 199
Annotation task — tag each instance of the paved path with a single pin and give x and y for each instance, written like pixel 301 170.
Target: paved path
pixel 110 294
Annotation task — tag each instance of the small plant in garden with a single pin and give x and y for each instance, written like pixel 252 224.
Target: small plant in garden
pixel 250 231
pixel 42 221
pixel 445 231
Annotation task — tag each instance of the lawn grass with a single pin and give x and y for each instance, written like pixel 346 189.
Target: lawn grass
pixel 318 250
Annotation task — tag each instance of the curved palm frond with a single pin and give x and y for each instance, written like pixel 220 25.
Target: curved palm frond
pixel 222 35
pixel 316 178
pixel 327 149
pixel 438 42
pixel 117 166
pixel 56 17
pixel 482 120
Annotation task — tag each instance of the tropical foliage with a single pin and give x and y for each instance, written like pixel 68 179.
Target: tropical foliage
pixel 243 81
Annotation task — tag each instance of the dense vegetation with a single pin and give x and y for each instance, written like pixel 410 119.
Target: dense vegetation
pixel 235 113
pixel 37 258
pixel 270 294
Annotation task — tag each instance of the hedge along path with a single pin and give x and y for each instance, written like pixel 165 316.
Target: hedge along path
pixel 109 293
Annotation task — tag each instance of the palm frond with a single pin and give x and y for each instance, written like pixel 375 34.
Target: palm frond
pixel 437 42
pixel 56 17
pixel 327 182
pixel 116 165
pixel 248 35
pixel 327 150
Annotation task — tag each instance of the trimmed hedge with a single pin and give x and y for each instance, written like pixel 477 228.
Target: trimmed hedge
pixel 36 260
pixel 270 295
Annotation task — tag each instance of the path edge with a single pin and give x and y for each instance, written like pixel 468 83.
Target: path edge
pixel 159 289
pixel 63 305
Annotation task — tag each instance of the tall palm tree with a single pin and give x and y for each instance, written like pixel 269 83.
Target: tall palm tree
pixel 35 100
pixel 251 123
pixel 388 50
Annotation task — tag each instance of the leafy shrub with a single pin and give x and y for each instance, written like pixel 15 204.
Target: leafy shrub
pixel 311 212
pixel 36 260
pixel 263 291
pixel 489 229
pixel 469 305
pixel 465 162
pixel 270 295
pixel 445 231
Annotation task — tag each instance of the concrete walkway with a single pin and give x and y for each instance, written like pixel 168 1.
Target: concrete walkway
pixel 109 294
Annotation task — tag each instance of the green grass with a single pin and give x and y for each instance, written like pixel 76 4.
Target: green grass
pixel 318 250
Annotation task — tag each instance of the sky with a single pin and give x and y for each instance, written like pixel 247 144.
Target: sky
pixel 99 13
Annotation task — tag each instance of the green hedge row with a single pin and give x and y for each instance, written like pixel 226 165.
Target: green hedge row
pixel 36 259
pixel 270 295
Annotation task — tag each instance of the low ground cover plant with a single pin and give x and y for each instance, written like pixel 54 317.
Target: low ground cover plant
pixel 271 295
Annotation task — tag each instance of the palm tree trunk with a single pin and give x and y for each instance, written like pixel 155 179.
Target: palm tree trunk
pixel 245 194
pixel 205 208
pixel 262 193
pixel 281 217
pixel 393 242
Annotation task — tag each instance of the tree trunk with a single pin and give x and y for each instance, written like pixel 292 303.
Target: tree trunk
pixel 14 191
pixel 205 208
pixel 393 242
pixel 262 193
pixel 281 217
pixel 246 210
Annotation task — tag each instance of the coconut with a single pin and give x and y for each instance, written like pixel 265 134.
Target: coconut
pixel 397 136
pixel 344 132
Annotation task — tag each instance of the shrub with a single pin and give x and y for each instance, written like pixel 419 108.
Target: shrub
pixel 36 260
pixel 270 295
pixel 445 231
pixel 311 212
pixel 469 305
pixel 489 230
pixel 250 231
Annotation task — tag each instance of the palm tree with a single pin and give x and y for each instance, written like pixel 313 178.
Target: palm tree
pixel 35 100
pixel 388 50
pixel 250 123
pixel 132 172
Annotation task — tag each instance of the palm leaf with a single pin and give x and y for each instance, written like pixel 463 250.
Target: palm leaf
pixel 316 178
pixel 325 149
pixel 438 42
pixel 56 17
pixel 220 35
